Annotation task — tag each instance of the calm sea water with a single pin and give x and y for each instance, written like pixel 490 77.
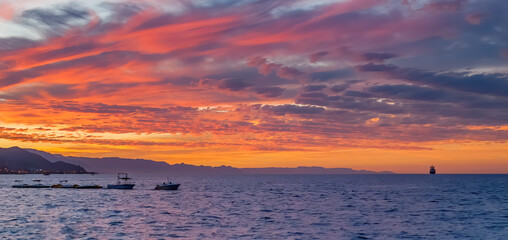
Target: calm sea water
pixel 261 207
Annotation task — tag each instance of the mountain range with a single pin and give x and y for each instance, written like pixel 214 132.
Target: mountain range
pixel 143 166
pixel 15 160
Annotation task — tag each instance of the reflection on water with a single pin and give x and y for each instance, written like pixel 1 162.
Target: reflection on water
pixel 263 207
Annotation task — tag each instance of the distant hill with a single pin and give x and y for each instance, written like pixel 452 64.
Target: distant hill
pixel 17 159
pixel 143 166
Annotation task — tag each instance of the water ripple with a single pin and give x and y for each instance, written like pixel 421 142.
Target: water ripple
pixel 262 207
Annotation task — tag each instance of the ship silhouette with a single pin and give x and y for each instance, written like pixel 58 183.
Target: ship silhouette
pixel 432 170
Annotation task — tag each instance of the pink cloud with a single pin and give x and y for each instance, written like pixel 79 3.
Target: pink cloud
pixel 476 18
pixel 6 11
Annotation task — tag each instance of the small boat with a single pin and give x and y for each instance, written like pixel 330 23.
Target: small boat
pixel 94 186
pixel 167 186
pixel 432 170
pixel 46 173
pixel 122 182
pixel 37 185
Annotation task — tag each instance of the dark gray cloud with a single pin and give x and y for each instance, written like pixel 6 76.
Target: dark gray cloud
pixel 357 94
pixel 266 67
pixel 11 78
pixel 14 43
pixel 339 87
pixel 291 109
pixel 493 84
pixel 252 76
pixel 371 67
pixel 122 11
pixel 313 88
pixel 158 21
pixel 269 92
pixel 313 95
pixel 61 90
pixel 315 57
pixel 445 5
pixel 377 57
pixel 428 94
pixel 331 75
pixel 241 85
pixel 343 86
pixel 406 100
pixel 409 92
pixel 233 84
pixel 238 84
pixel 54 20
pixel 100 87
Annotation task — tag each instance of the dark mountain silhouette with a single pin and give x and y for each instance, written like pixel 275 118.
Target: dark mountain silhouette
pixel 17 159
pixel 143 166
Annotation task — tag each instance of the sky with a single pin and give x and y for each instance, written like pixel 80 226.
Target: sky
pixel 392 85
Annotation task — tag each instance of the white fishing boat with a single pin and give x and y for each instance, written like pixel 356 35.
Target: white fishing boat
pixel 167 186
pixel 123 182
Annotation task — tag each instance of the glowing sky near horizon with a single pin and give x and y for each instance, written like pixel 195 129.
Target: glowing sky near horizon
pixel 367 84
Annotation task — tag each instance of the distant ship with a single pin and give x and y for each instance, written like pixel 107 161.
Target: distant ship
pixel 432 170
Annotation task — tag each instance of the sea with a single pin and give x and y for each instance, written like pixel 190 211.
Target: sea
pixel 392 206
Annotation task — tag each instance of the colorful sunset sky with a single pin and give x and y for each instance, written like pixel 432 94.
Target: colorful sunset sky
pixel 392 85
